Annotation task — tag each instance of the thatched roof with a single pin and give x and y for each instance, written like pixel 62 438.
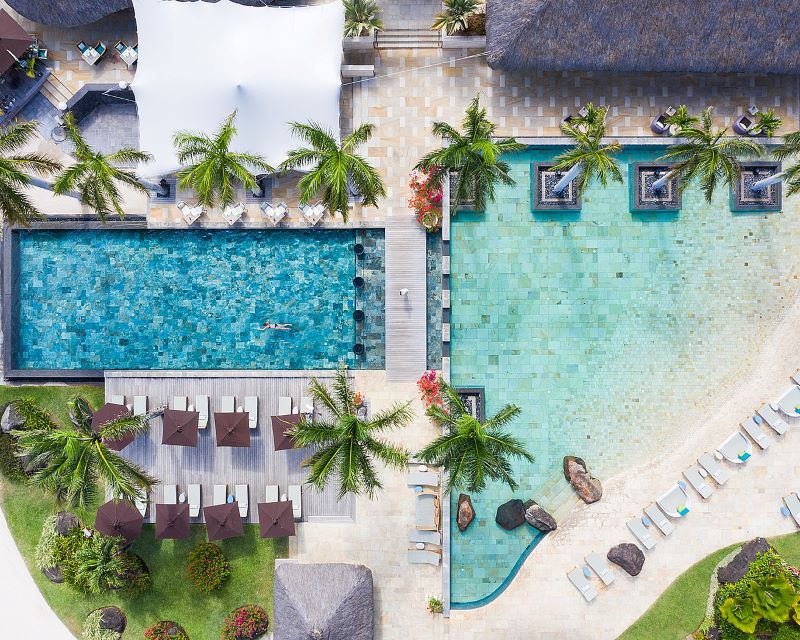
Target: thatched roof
pixel 327 601
pixel 629 35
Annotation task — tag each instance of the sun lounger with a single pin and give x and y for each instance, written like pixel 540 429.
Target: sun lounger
pixel 201 404
pixel 139 405
pixel 274 213
pixel 658 518
pixel 695 478
pixel 190 214
pixel 577 578
pixel 170 494
pixel 251 408
pixel 228 404
pixel 243 499
pixel 193 498
pixel 426 537
pixel 417 556
pixel 294 493
pixel 422 479
pixel 716 470
pixel 118 400
pixel 755 432
pixel 736 448
pixel 141 503
pixel 675 502
pixel 793 504
pixel 789 402
pixel 273 493
pixel 307 406
pixel 312 213
pixel 179 403
pixel 233 213
pixel 427 512
pixel 220 494
pixel 776 423
pixel 599 565
pixel 284 406
pixel 642 534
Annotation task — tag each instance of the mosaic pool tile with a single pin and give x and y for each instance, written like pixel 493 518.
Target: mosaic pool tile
pixel 434 284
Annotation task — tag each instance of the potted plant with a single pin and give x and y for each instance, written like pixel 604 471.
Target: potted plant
pixel 462 23
pixel 426 200
pixel 361 21
pixel 767 123
pixel 681 120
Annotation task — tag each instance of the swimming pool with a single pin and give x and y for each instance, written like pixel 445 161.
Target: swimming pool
pixel 195 299
pixel 610 329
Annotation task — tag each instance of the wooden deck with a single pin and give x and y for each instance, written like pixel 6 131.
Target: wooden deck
pixel 207 464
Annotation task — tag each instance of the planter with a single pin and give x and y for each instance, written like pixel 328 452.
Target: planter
pixel 463 42
pixel 358 348
pixel 358 282
pixel 361 43
pixel 358 315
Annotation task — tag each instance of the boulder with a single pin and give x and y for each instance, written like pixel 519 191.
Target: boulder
pixel 53 574
pixel 66 522
pixel 538 518
pixel 11 419
pixel 113 619
pixel 736 568
pixel 577 474
pixel 466 512
pixel 511 514
pixel 628 556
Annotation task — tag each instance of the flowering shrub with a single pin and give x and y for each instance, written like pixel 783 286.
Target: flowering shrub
pixel 428 386
pixel 427 200
pixel 166 630
pixel 245 623
pixel 208 567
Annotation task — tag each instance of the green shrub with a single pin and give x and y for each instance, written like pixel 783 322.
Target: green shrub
pixel 11 465
pixel 208 567
pixel 98 567
pixel 34 416
pixel 135 574
pixel 46 549
pixel 245 623
pixel 66 549
pixel 166 630
pixel 787 631
pixel 92 630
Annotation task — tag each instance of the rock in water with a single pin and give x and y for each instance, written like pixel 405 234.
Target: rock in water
pixel 11 419
pixel 577 474
pixel 66 522
pixel 466 512
pixel 538 518
pixel 736 568
pixel 511 514
pixel 628 556
pixel 113 619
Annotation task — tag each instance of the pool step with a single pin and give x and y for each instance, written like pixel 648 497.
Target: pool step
pixel 55 91
pixel 557 496
pixel 408 39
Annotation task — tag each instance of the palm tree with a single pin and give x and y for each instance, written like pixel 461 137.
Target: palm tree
pixel 212 168
pixel 348 445
pixel 472 451
pixel 337 169
pixel 69 461
pixel 589 158
pixel 360 18
pixel 99 566
pixel 708 155
pixel 682 118
pixel 473 155
pixel 95 176
pixel 455 16
pixel 790 149
pixel 14 173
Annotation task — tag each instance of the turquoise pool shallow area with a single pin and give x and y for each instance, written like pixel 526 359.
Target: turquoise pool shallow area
pixel 613 331
pixel 195 299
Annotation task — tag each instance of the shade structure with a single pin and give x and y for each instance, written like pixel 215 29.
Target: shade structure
pixel 233 429
pixel 172 521
pixel 280 425
pixel 275 519
pixel 119 518
pixel 107 413
pixel 13 40
pixel 180 428
pixel 223 521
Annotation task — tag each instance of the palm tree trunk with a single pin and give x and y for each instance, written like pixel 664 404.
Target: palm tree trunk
pixel 567 178
pixel 662 181
pixel 161 188
pixel 766 182
pixel 48 186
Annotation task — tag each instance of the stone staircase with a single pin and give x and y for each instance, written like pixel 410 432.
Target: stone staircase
pixel 55 91
pixel 557 496
pixel 408 39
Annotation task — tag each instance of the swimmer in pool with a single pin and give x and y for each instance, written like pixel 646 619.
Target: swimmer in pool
pixel 283 326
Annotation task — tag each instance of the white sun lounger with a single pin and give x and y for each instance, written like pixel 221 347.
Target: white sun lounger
pixel 295 494
pixel 788 401
pixel 251 409
pixel 577 578
pixel 422 479
pixel 426 537
pixel 736 448
pixel 190 214
pixel 755 432
pixel 658 518
pixel 793 504
pixel 228 404
pixel 796 377
pixel 170 494
pixel 695 478
pixel 716 470
pixel 193 498
pixel 599 565
pixel 220 494
pixel 417 556
pixel 243 499
pixel 274 213
pixel 179 403
pixel 233 213
pixel 427 512
pixel 141 503
pixel 284 406
pixel 312 213
pixel 776 423
pixel 675 502
pixel 201 404
pixel 139 405
pixel 642 534
pixel 118 400
pixel 273 493
pixel 307 406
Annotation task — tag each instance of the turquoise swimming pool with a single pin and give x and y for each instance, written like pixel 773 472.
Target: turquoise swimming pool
pixel 610 329
pixel 195 299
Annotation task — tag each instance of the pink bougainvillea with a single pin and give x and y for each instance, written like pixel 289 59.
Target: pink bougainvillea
pixel 426 200
pixel 428 386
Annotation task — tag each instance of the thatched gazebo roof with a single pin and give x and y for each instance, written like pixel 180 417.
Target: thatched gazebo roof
pixel 330 601
pixel 627 35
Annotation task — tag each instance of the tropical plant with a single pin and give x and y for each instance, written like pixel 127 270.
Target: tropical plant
pixel 455 16
pixel 473 155
pixel 98 565
pixel 790 149
pixel 592 117
pixel 361 18
pixel 708 156
pixel 348 446
pixel 739 612
pixel 16 170
pixel 682 118
pixel 435 605
pixel 46 553
pixel 336 169
pixel 245 623
pixel 28 66
pixel 472 451
pixel 212 169
pixel 767 123
pixel 135 576
pixel 208 567
pixel 93 631
pixel 166 630
pixel 773 598
pixel 69 461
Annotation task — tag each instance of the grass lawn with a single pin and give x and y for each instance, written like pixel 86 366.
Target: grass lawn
pixel 681 608
pixel 171 595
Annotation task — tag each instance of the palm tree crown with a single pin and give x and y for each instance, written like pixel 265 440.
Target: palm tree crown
pixel 95 175
pixel 69 461
pixel 337 169
pixel 708 155
pixel 14 173
pixel 347 445
pixel 473 155
pixel 212 169
pixel 473 452
pixel 790 149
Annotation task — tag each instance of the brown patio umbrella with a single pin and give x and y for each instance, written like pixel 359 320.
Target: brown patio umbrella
pixel 119 518
pixel 233 429
pixel 14 41
pixel 172 521
pixel 180 427
pixel 223 521
pixel 275 519
pixel 107 413
pixel 280 425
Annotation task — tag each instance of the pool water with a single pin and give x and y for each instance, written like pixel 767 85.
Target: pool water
pixel 610 329
pixel 195 299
